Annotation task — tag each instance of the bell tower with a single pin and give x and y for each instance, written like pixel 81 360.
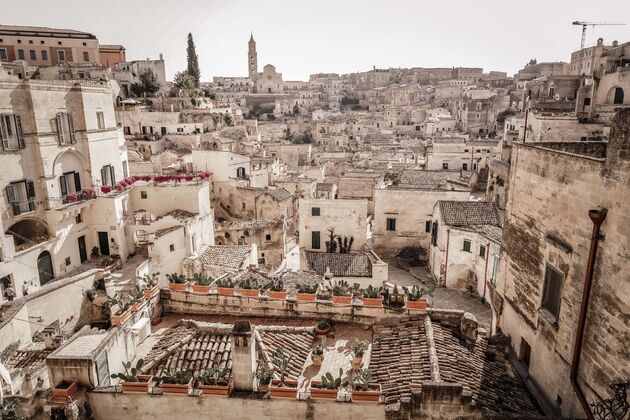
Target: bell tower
pixel 252 59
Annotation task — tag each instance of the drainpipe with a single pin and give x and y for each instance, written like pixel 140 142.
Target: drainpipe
pixel 448 237
pixel 525 129
pixel 597 216
pixel 485 272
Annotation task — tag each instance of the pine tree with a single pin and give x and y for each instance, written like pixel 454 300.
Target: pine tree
pixel 193 61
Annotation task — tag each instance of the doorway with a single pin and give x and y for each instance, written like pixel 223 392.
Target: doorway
pixel 45 267
pixel 103 243
pixel 82 248
pixel 525 352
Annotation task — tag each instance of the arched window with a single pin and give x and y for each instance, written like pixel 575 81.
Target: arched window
pixel 618 100
pixel 45 267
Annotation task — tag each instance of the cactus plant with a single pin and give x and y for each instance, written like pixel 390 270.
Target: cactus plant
pixel 282 361
pixel 176 278
pixel 361 379
pixel 415 293
pixel 131 372
pixel 330 382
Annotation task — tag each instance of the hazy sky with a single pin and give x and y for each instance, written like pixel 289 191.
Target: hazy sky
pixel 340 36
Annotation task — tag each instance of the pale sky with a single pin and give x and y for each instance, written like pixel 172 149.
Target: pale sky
pixel 301 38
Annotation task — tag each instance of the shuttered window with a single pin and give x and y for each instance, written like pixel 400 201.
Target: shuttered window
pixel 65 128
pixel 21 197
pixel 11 132
pixel 552 292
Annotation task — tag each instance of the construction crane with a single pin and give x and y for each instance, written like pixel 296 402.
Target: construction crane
pixel 593 24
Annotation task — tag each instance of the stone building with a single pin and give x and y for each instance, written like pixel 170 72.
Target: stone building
pixel 545 260
pixel 269 81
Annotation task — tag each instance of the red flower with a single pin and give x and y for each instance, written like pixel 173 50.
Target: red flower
pixel 106 189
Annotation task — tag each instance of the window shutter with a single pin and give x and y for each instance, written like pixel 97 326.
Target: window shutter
pixel 77 182
pixel 20 133
pixel 3 132
pixel 59 127
pixel 104 175
pixel 10 193
pixel 30 193
pixel 113 174
pixel 62 184
pixel 71 128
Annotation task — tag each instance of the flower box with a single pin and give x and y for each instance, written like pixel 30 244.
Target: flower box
pixel 249 292
pixel 178 287
pixel 342 300
pixel 372 394
pixel 420 304
pixel 373 302
pixel 306 297
pixel 142 385
pixel 149 293
pixel 281 295
pixel 119 319
pixel 138 305
pixel 225 291
pixel 177 388
pixel 317 392
pixel 65 389
pixel 210 390
pixel 289 390
pixel 200 288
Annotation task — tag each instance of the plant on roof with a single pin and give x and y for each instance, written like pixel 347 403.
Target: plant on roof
pixel 361 379
pixel 214 376
pixel 131 372
pixel 106 261
pixel 263 373
pixel 307 288
pixel 149 280
pixel 225 282
pixel 180 377
pixel 319 349
pixel 338 287
pixel 372 292
pixel 176 278
pixel 330 382
pixel 282 361
pixel 416 293
pixel 323 324
pixel 331 245
pixel 345 244
pixel 37 338
pixel 117 300
pixel 277 285
pixel 202 279
pixel 250 283
pixel 360 347
pixel 7 411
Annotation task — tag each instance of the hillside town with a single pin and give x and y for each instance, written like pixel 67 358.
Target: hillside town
pixel 396 243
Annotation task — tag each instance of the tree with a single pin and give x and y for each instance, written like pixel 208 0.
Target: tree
pixel 228 119
pixel 148 84
pixel 184 81
pixel 193 61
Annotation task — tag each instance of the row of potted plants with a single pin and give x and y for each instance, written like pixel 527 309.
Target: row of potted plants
pixel 134 300
pixel 211 381
pixel 129 181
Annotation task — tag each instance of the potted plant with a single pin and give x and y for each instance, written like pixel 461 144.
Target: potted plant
pixel 225 287
pixel 177 282
pixel 66 388
pixel 306 292
pixel 358 350
pixel 323 295
pixel 214 381
pixel 150 285
pixel 124 309
pixel 415 301
pixel 72 198
pixel 88 193
pixel 363 389
pixel 106 189
pixel 276 290
pixel 249 287
pixel 95 252
pixel 317 356
pixel 373 296
pixel 282 388
pixel 339 290
pixel 328 387
pixel 264 376
pixel 106 262
pixel 322 327
pixel 179 382
pixel 201 283
pixel 131 380
pixel 136 299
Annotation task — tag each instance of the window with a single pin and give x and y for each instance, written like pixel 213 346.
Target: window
pixel 268 237
pixel 143 195
pixel 44 55
pixel 11 132
pixel 86 57
pixel 33 54
pixel 127 130
pixel 434 233
pixel 315 240
pixel 466 246
pixel 315 211
pixel 65 128
pixel 618 100
pixel 391 224
pixel 108 175
pixel 444 165
pixel 240 172
pixel 70 184
pixel 78 219
pixel 125 169
pixel 180 129
pixel 171 247
pixel 163 130
pixel 100 120
pixel 61 55
pixel 21 196
pixel 20 54
pixel 3 54
pixel 482 251
pixel 68 261
pixel 465 166
pixel 244 206
pixel 102 369
pixel 427 226
pixel 552 292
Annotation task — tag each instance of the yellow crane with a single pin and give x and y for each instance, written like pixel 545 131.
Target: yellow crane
pixel 593 24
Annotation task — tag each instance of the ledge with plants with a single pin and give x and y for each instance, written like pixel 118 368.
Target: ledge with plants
pixel 177 282
pixel 340 290
pixel 362 387
pixel 225 286
pixel 372 296
pixel 248 287
pixel 200 283
pixel 214 381
pixel 282 387
pixel 176 382
pixel 328 387
pixel 307 292
pixel 131 380
pixel 123 311
pixel 275 290
pixel 415 299
pixel 150 285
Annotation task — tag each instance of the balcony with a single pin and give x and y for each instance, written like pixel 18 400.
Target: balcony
pixel 66 201
pixel 22 207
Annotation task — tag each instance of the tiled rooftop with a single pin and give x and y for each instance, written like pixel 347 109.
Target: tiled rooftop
pixel 429 179
pixel 251 224
pixel 81 346
pixel 467 213
pixel 230 256
pixel 296 342
pixel 355 264
pixel 15 360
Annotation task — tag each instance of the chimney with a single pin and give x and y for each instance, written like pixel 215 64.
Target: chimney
pixel 242 364
pixel 600 42
pixel 161 56
pixel 615 43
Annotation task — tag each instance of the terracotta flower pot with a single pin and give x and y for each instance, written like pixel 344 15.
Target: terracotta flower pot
pixel 373 394
pixel 225 291
pixel 322 393
pixel 149 293
pixel 200 289
pixel 317 359
pixel 210 390
pixel 306 297
pixel 356 362
pixel 66 388
pixel 249 292
pixel 119 319
pixel 420 304
pixel 322 331
pixel 342 300
pixel 136 306
pixel 373 302
pixel 289 390
pixel 176 388
pixel 142 385
pixel 281 295
pixel 178 287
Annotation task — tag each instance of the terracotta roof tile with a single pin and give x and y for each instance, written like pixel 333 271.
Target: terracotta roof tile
pixel 296 342
pixel 467 213
pixel 230 256
pixel 354 264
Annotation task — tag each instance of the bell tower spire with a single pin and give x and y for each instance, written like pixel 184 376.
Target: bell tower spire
pixel 252 58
